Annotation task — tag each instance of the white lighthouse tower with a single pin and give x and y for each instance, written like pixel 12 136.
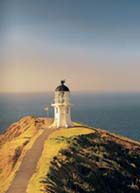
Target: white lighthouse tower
pixel 62 107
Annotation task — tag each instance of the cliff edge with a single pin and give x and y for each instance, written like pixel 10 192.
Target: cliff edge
pixel 80 159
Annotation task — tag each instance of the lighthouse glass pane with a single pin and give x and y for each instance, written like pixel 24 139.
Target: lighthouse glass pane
pixel 56 97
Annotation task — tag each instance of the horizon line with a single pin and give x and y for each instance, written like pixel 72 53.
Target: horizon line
pixel 71 91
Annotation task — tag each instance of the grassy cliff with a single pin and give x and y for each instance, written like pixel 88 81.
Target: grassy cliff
pixel 56 142
pixel 95 163
pixel 74 160
pixel 14 144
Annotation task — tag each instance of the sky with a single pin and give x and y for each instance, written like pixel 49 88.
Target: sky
pixel 93 44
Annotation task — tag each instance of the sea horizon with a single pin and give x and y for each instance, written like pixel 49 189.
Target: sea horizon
pixel 114 111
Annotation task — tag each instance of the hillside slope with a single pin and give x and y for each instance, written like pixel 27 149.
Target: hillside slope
pixel 74 160
pixel 15 143
pixel 99 162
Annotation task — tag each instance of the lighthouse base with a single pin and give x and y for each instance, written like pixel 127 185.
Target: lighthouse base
pixel 56 124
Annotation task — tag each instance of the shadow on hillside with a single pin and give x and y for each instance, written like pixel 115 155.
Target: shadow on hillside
pixel 94 165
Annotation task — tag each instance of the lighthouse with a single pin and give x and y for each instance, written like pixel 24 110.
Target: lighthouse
pixel 62 107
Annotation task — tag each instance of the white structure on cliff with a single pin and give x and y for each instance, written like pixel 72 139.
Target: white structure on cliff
pixel 62 107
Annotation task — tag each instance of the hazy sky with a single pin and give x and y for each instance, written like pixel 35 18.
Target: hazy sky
pixel 93 44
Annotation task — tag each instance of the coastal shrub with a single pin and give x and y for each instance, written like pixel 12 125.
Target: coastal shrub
pixel 94 164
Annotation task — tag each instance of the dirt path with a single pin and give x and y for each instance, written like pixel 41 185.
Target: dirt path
pixel 29 163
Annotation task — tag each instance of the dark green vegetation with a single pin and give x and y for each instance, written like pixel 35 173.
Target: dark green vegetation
pixel 95 164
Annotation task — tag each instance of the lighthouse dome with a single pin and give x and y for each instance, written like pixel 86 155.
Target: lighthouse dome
pixel 62 87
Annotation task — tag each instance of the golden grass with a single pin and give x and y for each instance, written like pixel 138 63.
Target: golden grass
pixel 7 152
pixel 51 149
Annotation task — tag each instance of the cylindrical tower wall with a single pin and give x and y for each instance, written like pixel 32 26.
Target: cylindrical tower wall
pixel 62 97
pixel 62 107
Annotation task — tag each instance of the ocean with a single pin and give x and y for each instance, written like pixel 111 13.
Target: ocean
pixel 115 112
